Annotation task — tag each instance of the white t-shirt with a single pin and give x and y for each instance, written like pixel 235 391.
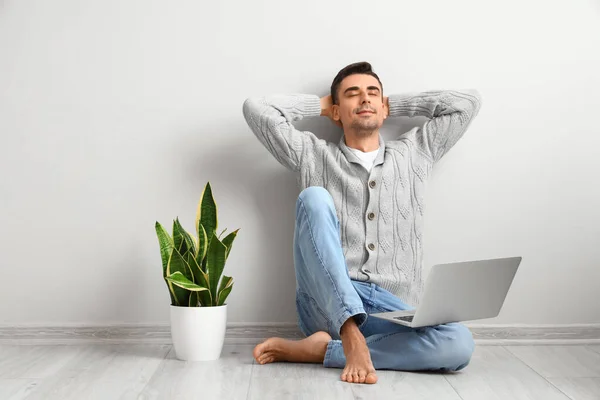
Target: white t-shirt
pixel 366 159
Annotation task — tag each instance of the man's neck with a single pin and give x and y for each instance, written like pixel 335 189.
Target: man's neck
pixel 364 144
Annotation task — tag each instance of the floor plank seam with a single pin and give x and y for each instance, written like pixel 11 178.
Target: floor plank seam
pixel 594 349
pixel 453 388
pixel 567 373
pixel 536 372
pixel 250 379
pixel 158 368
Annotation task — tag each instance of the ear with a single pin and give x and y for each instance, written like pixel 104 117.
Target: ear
pixel 335 115
pixel 335 112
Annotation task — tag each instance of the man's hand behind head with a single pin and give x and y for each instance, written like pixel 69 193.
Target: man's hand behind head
pixel 326 106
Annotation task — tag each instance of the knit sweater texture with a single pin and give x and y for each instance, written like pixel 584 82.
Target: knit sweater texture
pixel 381 211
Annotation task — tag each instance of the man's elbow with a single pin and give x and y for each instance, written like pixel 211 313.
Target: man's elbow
pixel 475 100
pixel 248 106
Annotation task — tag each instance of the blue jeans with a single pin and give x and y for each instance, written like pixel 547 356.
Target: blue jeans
pixel 326 297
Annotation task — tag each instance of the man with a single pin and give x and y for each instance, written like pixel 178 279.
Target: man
pixel 359 220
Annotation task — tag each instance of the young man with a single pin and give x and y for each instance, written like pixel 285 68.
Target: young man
pixel 359 221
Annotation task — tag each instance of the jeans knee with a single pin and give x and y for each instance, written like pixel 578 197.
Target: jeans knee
pixel 314 199
pixel 463 348
pixel 458 350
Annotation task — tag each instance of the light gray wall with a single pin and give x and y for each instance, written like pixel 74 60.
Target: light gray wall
pixel 115 114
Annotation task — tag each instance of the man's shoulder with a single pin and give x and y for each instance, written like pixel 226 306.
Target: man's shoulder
pixel 324 145
pixel 398 146
pixel 319 152
pixel 405 145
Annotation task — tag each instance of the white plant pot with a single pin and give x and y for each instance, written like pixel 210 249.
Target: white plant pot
pixel 198 333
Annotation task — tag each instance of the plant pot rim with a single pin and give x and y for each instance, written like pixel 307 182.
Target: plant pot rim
pixel 203 307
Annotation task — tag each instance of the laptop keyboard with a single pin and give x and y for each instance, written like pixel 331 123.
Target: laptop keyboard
pixel 407 318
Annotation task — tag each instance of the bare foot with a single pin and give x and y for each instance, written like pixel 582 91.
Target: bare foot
pixel 310 350
pixel 359 367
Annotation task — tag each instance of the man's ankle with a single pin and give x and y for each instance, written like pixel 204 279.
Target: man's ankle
pixel 350 329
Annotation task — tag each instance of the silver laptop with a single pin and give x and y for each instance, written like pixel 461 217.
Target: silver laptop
pixel 462 291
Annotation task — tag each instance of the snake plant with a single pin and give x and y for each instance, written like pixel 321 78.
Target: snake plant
pixel 193 264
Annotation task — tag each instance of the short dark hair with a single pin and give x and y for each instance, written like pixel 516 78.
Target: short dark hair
pixel 362 67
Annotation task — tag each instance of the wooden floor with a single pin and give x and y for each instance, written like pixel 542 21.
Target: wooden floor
pixel 151 371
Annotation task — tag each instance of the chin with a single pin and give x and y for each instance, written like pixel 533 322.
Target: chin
pixel 367 127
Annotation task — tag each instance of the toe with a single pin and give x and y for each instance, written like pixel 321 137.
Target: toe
pixel 349 375
pixel 362 375
pixel 371 378
pixel 344 375
pixel 258 350
pixel 262 357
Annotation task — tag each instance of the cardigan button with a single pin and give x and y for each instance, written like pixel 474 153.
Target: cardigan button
pixel 371 216
pixel 372 184
pixel 371 246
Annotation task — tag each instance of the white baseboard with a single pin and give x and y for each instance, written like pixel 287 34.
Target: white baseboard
pixel 252 333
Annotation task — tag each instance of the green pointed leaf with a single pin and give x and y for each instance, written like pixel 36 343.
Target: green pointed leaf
pixel 196 244
pixel 180 295
pixel 223 295
pixel 221 234
pixel 201 279
pixel 202 246
pixel 194 299
pixel 180 280
pixel 206 213
pixel 182 239
pixel 166 244
pixel 192 243
pixel 225 283
pixel 228 241
pixel 178 237
pixel 178 264
pixel 206 298
pixel 215 263
pixel 166 247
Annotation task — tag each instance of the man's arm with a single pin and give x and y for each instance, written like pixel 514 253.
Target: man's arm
pixel 271 117
pixel 450 111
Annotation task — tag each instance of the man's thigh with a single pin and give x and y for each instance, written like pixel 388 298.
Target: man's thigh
pixel 384 301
